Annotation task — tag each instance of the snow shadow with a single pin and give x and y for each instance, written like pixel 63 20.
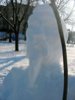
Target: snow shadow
pixel 10 61
pixel 6 52
pixel 16 87
pixel 71 87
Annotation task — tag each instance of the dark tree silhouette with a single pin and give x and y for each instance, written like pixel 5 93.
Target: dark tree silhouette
pixel 19 13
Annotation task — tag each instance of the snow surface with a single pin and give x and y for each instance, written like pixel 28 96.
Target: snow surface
pixel 15 78
pixel 9 58
pixel 43 78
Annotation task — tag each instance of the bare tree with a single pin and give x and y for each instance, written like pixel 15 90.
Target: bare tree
pixel 66 9
pixel 19 13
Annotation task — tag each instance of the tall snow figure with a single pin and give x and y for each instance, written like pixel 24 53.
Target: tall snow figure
pixel 43 42
pixel 44 48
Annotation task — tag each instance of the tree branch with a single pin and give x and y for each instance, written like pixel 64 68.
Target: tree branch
pixel 7 20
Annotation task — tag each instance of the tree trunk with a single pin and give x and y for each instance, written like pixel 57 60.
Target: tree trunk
pixel 25 26
pixel 16 41
pixel 10 38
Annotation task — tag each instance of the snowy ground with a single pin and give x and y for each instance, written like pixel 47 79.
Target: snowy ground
pixel 9 59
pixel 71 59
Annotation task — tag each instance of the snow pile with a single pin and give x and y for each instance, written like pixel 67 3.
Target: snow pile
pixel 43 79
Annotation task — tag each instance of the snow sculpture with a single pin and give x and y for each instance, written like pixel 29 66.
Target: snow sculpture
pixel 44 51
pixel 43 42
pixel 43 79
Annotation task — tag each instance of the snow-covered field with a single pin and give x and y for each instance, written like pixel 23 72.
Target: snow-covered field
pixel 10 59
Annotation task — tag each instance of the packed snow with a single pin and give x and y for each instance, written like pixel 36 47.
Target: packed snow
pixel 36 71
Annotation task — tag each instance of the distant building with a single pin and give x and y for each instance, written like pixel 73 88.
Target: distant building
pixel 71 37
